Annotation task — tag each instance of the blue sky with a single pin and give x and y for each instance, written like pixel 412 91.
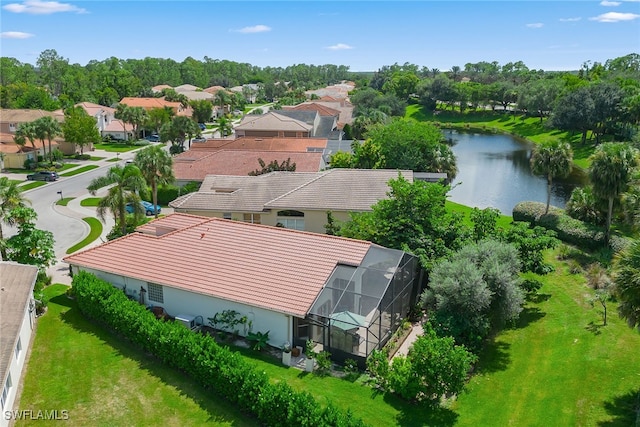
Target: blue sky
pixel 365 35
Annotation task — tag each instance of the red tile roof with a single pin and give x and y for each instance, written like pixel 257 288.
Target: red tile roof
pixel 264 144
pixel 195 165
pixel 269 267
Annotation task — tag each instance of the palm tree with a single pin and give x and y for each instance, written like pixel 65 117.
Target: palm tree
pixel 28 130
pixel 223 125
pixel 627 284
pixel 136 116
pixel 10 198
pixel 48 128
pixel 611 169
pixel 127 184
pixel 551 159
pixel 155 165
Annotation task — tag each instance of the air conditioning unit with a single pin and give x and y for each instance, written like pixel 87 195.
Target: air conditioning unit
pixel 189 321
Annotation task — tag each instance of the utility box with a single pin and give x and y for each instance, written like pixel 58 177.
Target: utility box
pixel 188 321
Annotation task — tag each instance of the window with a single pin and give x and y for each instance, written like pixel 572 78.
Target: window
pixel 155 292
pixel 12 127
pixel 5 391
pixel 252 218
pixel 226 215
pixel 291 219
pixel 18 348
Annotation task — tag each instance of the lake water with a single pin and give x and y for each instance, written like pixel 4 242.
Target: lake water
pixel 494 171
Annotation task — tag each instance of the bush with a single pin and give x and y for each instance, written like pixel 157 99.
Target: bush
pixel 530 211
pixel 79 156
pixel 29 164
pixel 217 368
pixel 167 193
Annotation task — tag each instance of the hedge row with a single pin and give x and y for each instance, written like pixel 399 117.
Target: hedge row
pixel 168 193
pixel 570 230
pixel 217 368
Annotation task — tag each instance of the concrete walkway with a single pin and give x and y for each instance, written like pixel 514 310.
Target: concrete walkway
pixel 416 330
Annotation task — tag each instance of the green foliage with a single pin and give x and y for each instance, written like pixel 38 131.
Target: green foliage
pixel 80 128
pixel 332 228
pixel 323 360
pixel 30 245
pixel 378 368
pixel 584 206
pixel 484 223
pixel 627 284
pixel 274 165
pixel 530 242
pixel 260 339
pixel 217 368
pixel 309 345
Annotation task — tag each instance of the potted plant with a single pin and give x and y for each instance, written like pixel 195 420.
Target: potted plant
pixel 286 354
pixel 308 363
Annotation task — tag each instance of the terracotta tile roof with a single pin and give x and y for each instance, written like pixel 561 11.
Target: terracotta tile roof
pixel 272 121
pixel 117 125
pixel 8 145
pixel 265 144
pixel 19 115
pixel 214 89
pixel 346 190
pixel 17 288
pixel 195 166
pixel 149 103
pixel 241 193
pixel 268 267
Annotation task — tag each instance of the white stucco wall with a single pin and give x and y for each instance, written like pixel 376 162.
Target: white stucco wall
pixel 17 363
pixel 178 301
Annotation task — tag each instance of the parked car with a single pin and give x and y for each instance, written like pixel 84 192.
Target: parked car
pixel 43 176
pixel 202 126
pixel 147 206
pixel 199 140
pixel 153 138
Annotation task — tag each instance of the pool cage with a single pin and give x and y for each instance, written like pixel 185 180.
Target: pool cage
pixel 360 307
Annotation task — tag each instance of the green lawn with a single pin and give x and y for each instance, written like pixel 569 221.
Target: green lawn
pixel 103 381
pixel 115 147
pixel 528 128
pixel 558 367
pixel 65 201
pixel 80 170
pixel 90 201
pixel 94 233
pixel 503 220
pixel 31 185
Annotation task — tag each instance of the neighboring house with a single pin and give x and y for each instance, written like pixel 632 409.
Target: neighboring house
pixel 194 93
pixel 337 91
pixel 10 119
pixel 106 123
pixel 266 144
pixel 342 106
pixel 290 199
pixel 348 296
pixel 160 88
pixel 17 321
pixel 151 103
pixel 250 91
pixel 195 165
pixel 273 125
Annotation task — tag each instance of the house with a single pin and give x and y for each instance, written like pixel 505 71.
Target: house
pixel 106 122
pixel 324 126
pixel 250 91
pixel 341 105
pixel 336 91
pixel 194 93
pixel 273 125
pixel 10 119
pixel 348 296
pixel 151 103
pixel 17 321
pixel 290 199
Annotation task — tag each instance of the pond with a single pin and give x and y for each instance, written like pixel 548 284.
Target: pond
pixel 494 171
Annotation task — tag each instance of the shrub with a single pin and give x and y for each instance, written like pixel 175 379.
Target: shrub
pixel 79 156
pixel 167 193
pixel 29 164
pixel 530 285
pixel 217 368
pixel 324 363
pixel 529 211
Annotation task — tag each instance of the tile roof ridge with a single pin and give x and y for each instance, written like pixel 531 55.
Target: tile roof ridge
pixel 320 175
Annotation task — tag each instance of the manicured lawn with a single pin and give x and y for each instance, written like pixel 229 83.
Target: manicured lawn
pixel 503 220
pixel 31 185
pixel 66 166
pixel 65 201
pixel 90 201
pixel 559 366
pixel 115 159
pixel 80 170
pixel 96 231
pixel 16 170
pixel 103 381
pixel 528 128
pixel 115 148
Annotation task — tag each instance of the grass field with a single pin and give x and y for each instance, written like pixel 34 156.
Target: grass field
pixel 529 128
pixel 65 201
pixel 102 381
pixel 80 170
pixel 503 220
pixel 95 232
pixel 90 201
pixel 31 185
pixel 115 147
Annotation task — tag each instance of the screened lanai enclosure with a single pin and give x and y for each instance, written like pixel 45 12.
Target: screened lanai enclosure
pixel 360 307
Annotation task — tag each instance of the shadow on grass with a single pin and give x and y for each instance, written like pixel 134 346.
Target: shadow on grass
pixel 537 298
pixel 494 357
pixel 594 328
pixel 418 415
pixel 624 410
pixel 530 315
pixel 205 399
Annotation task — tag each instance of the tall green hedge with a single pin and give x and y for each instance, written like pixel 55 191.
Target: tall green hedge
pixel 223 371
pixel 570 230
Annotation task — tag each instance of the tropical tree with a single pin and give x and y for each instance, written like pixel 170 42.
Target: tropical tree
pixel 27 131
pixel 80 128
pixel 30 245
pixel 136 116
pixel 159 116
pixel 611 169
pixel 626 279
pixel 222 98
pixel 202 110
pixel 155 164
pixel 47 128
pixel 223 126
pixel 551 159
pixel 10 198
pixel 127 183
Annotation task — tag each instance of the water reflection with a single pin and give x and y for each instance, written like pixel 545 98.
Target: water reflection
pixel 493 171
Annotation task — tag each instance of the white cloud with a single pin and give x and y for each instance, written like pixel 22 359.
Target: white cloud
pixel 37 7
pixel 15 35
pixel 615 17
pixel 254 29
pixel 610 3
pixel 535 25
pixel 570 19
pixel 339 46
